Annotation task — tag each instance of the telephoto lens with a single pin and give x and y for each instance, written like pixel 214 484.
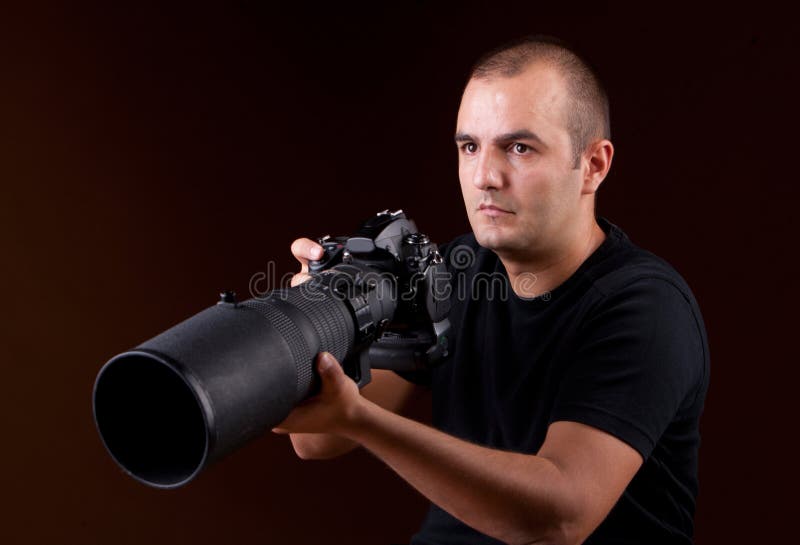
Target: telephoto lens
pixel 185 398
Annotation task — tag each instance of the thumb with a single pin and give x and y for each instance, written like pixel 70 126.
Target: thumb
pixel 330 371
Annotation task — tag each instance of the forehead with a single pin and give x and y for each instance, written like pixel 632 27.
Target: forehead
pixel 534 100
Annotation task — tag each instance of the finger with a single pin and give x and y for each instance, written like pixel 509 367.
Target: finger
pixel 299 278
pixel 280 431
pixel 304 250
pixel 330 371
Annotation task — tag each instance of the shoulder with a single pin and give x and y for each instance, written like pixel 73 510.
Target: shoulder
pixel 634 290
pixel 629 271
pixel 639 352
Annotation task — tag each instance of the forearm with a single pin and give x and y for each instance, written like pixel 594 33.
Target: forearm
pixel 482 487
pixel 558 496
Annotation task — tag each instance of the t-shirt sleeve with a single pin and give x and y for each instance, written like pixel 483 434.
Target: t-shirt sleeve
pixel 638 361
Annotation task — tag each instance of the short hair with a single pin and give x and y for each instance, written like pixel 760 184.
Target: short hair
pixel 588 116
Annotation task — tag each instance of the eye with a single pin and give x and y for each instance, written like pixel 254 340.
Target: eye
pixel 469 147
pixel 520 148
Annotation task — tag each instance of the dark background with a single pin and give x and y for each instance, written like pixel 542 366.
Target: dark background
pixel 150 156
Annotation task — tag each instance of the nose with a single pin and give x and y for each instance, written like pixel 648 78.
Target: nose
pixel 488 173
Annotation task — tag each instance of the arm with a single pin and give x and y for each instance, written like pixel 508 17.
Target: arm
pixel 558 496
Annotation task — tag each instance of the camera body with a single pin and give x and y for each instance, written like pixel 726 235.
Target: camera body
pixel 389 259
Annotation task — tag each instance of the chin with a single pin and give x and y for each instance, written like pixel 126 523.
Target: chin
pixel 490 238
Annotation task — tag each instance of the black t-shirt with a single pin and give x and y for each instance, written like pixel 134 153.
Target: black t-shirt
pixel 619 346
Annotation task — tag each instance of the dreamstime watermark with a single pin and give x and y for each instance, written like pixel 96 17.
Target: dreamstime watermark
pixel 263 283
pixel 457 278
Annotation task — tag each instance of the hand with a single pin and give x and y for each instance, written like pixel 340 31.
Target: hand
pixel 304 250
pixel 333 410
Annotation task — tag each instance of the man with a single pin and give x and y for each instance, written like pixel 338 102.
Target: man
pixel 568 411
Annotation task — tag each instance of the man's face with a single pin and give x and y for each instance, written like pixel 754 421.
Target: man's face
pixel 516 162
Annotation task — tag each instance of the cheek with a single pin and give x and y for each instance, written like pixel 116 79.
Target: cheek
pixel 541 196
pixel 535 190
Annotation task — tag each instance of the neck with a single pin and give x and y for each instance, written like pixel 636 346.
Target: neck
pixel 534 275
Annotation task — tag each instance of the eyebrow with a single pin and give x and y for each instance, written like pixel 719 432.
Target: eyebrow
pixel 522 134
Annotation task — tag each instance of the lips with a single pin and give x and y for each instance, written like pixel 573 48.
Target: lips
pixel 493 210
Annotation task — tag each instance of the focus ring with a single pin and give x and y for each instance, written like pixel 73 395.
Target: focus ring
pixel 301 354
pixel 331 320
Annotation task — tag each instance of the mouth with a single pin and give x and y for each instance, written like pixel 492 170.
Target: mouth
pixel 492 210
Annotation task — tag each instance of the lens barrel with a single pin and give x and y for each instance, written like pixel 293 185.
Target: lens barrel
pixel 183 399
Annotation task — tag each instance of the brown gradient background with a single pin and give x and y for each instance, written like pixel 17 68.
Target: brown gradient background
pixel 150 156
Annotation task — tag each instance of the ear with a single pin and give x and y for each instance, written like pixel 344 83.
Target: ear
pixel 596 162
